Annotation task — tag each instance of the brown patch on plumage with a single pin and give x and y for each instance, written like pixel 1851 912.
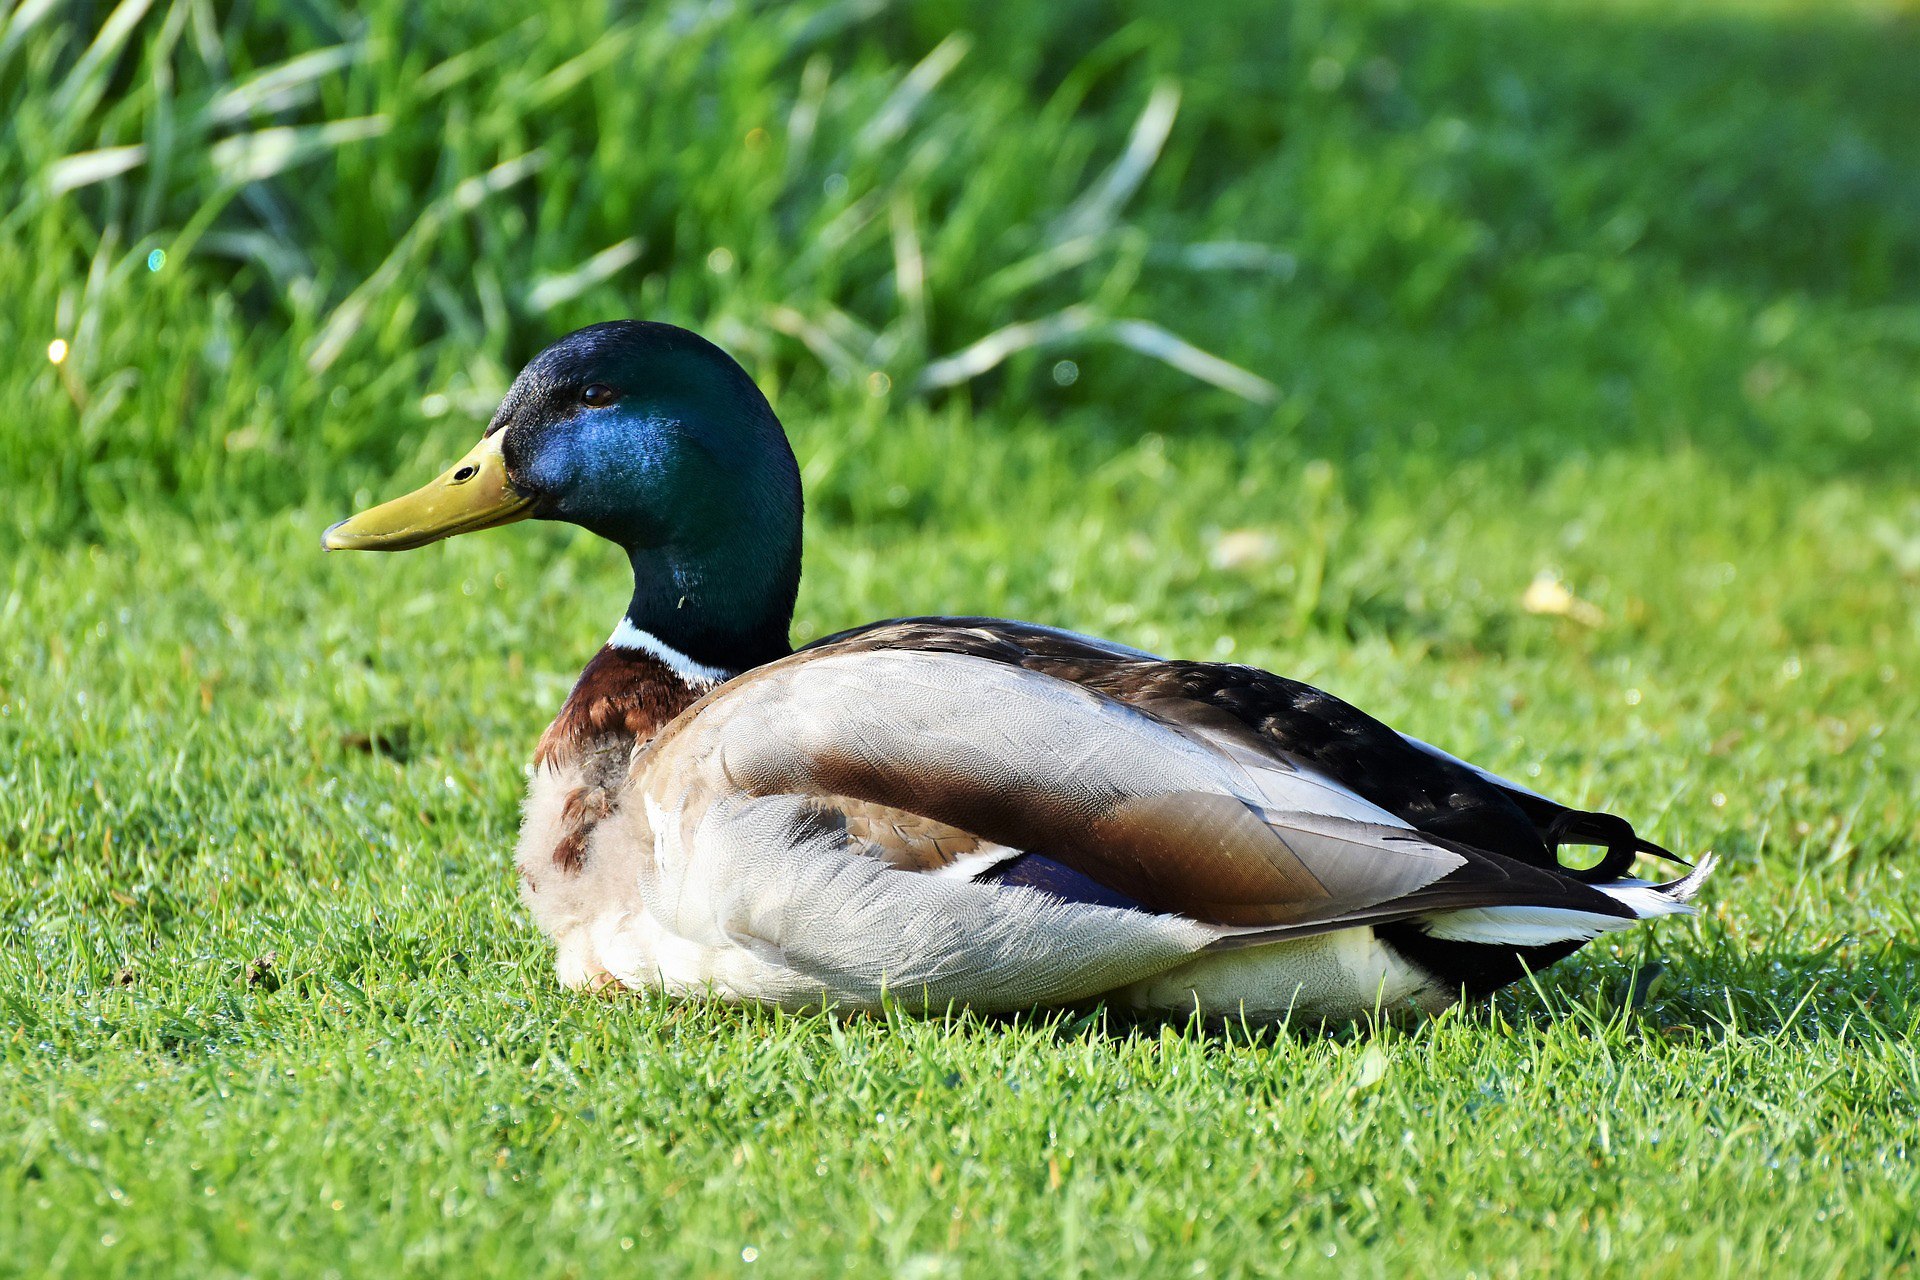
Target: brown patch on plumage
pixel 622 694
pixel 1202 855
pixel 903 840
pixel 1206 852
pixel 622 700
pixel 582 811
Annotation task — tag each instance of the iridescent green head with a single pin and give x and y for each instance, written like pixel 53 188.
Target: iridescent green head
pixel 656 440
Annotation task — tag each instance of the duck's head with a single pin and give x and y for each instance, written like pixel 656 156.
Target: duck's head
pixel 656 440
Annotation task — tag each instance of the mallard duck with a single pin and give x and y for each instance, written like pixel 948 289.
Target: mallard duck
pixel 962 811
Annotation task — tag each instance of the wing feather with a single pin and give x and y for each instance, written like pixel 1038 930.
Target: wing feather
pixel 1022 760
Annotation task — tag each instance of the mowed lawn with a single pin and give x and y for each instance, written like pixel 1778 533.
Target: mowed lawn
pixel 1543 377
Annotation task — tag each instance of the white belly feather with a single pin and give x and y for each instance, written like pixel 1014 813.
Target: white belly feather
pixel 1342 974
pixel 606 934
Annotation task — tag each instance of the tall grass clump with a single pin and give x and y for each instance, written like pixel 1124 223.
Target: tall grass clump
pixel 287 243
pixel 326 210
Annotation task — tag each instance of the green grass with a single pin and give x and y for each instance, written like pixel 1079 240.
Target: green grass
pixel 1623 293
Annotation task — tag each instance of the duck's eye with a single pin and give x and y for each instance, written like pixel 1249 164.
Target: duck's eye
pixel 465 474
pixel 598 395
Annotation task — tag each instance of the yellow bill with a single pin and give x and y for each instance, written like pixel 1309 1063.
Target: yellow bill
pixel 473 494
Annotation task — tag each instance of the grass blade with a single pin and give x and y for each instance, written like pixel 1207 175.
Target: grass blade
pixel 1095 211
pixel 267 153
pixel 84 168
pixel 548 292
pixel 1150 339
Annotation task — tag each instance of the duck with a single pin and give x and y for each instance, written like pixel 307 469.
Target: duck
pixel 940 813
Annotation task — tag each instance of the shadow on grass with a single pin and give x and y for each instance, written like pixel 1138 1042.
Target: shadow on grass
pixel 1772 994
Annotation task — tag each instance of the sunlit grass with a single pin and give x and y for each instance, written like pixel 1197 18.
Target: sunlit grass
pixel 1592 337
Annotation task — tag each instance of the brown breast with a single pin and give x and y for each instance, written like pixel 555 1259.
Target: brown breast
pixel 621 701
pixel 624 695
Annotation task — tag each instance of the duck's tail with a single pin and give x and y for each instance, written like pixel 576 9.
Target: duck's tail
pixel 1525 926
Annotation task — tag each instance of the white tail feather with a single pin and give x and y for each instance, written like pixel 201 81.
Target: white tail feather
pixel 1672 898
pixel 1522 926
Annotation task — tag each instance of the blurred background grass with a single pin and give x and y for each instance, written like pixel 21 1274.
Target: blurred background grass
pixel 287 242
pixel 1541 375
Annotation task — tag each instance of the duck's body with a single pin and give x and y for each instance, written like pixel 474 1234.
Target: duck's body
pixel 980 812
pixel 975 812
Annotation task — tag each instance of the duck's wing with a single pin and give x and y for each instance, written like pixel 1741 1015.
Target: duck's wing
pixel 1245 709
pixel 1078 841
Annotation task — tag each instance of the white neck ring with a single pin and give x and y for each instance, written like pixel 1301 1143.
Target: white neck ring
pixel 698 674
